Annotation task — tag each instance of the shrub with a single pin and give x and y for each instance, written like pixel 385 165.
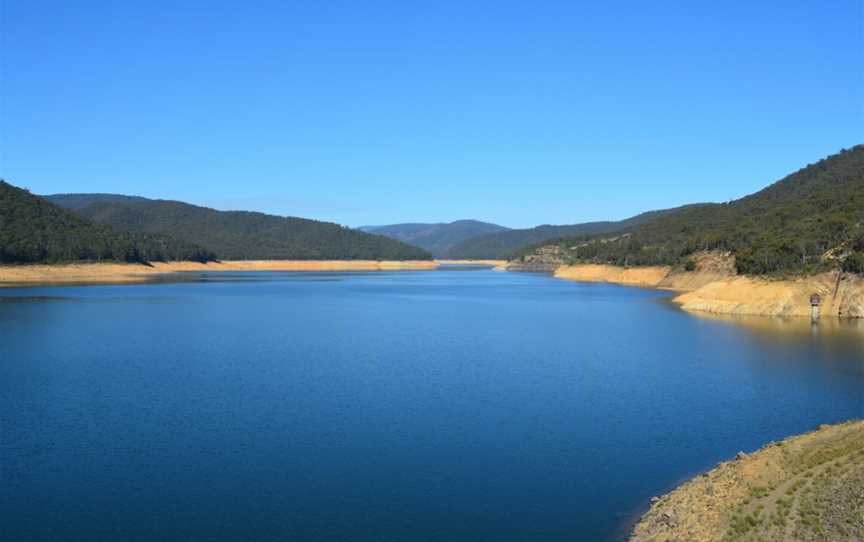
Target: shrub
pixel 854 263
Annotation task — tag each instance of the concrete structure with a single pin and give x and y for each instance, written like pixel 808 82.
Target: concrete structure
pixel 815 301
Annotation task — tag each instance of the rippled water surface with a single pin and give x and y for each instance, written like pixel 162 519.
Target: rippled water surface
pixel 416 406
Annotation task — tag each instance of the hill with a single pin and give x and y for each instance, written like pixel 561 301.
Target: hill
pixel 505 244
pixel 239 235
pixel 439 238
pixel 807 222
pixel 33 230
pixel 74 202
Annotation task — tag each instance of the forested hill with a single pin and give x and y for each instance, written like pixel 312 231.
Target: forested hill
pixel 437 238
pixel 32 230
pixel 505 244
pixel 74 202
pixel 240 235
pixel 809 221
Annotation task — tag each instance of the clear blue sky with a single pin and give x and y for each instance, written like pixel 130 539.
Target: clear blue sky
pixel 361 112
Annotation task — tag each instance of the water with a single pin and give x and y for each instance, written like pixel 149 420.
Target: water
pixel 416 406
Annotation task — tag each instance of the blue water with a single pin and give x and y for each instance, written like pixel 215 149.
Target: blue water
pixel 415 406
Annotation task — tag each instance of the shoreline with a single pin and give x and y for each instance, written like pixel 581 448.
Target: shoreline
pixel 720 292
pixel 778 492
pixel 497 265
pixel 135 273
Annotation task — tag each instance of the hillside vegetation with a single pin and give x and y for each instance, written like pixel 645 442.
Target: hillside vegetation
pixel 239 235
pixel 438 239
pixel 807 222
pixel 33 230
pixel 502 245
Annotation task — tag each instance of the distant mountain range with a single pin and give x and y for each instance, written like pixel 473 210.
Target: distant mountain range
pixel 809 221
pixel 475 240
pixel 237 235
pixel 33 230
pixel 504 244
pixel 439 239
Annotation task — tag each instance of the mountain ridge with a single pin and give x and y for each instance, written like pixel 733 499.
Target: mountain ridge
pixel 238 235
pixel 438 238
pixel 809 221
pixel 34 230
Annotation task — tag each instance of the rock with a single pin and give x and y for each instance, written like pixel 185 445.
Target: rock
pixel 669 518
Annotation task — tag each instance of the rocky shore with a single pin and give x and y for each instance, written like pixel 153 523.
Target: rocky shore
pixel 713 286
pixel 805 488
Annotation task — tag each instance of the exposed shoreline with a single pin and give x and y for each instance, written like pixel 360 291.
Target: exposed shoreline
pixel 720 292
pixel 806 487
pixel 497 265
pixel 709 290
pixel 131 273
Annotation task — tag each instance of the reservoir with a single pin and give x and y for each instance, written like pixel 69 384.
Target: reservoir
pixel 451 405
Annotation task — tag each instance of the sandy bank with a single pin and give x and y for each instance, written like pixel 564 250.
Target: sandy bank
pixel 499 265
pixel 714 288
pixel 841 295
pixel 473 262
pixel 119 273
pixel 646 277
pixel 808 487
pixel 659 277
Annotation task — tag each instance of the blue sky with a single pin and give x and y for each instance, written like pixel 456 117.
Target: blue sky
pixel 515 112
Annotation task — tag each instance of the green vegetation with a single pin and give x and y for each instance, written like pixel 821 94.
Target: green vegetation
pixel 808 222
pixel 439 239
pixel 239 235
pixel 33 230
pixel 506 244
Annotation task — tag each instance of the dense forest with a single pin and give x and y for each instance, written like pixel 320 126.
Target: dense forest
pixel 32 230
pixel 807 222
pixel 503 245
pixel 437 238
pixel 239 235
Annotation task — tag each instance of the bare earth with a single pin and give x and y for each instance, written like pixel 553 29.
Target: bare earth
pixel 497 265
pixel 808 488
pixel 714 288
pixel 119 273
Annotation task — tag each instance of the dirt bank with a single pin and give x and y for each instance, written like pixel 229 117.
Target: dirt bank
pixel 646 277
pixel 809 487
pixel 118 273
pixel 498 264
pixel 713 287
pixel 841 295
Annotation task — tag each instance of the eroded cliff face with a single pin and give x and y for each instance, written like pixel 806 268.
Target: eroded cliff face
pixel 842 295
pixel 714 287
pixel 709 267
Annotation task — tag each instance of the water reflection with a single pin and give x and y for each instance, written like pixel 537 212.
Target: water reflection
pixel 839 334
